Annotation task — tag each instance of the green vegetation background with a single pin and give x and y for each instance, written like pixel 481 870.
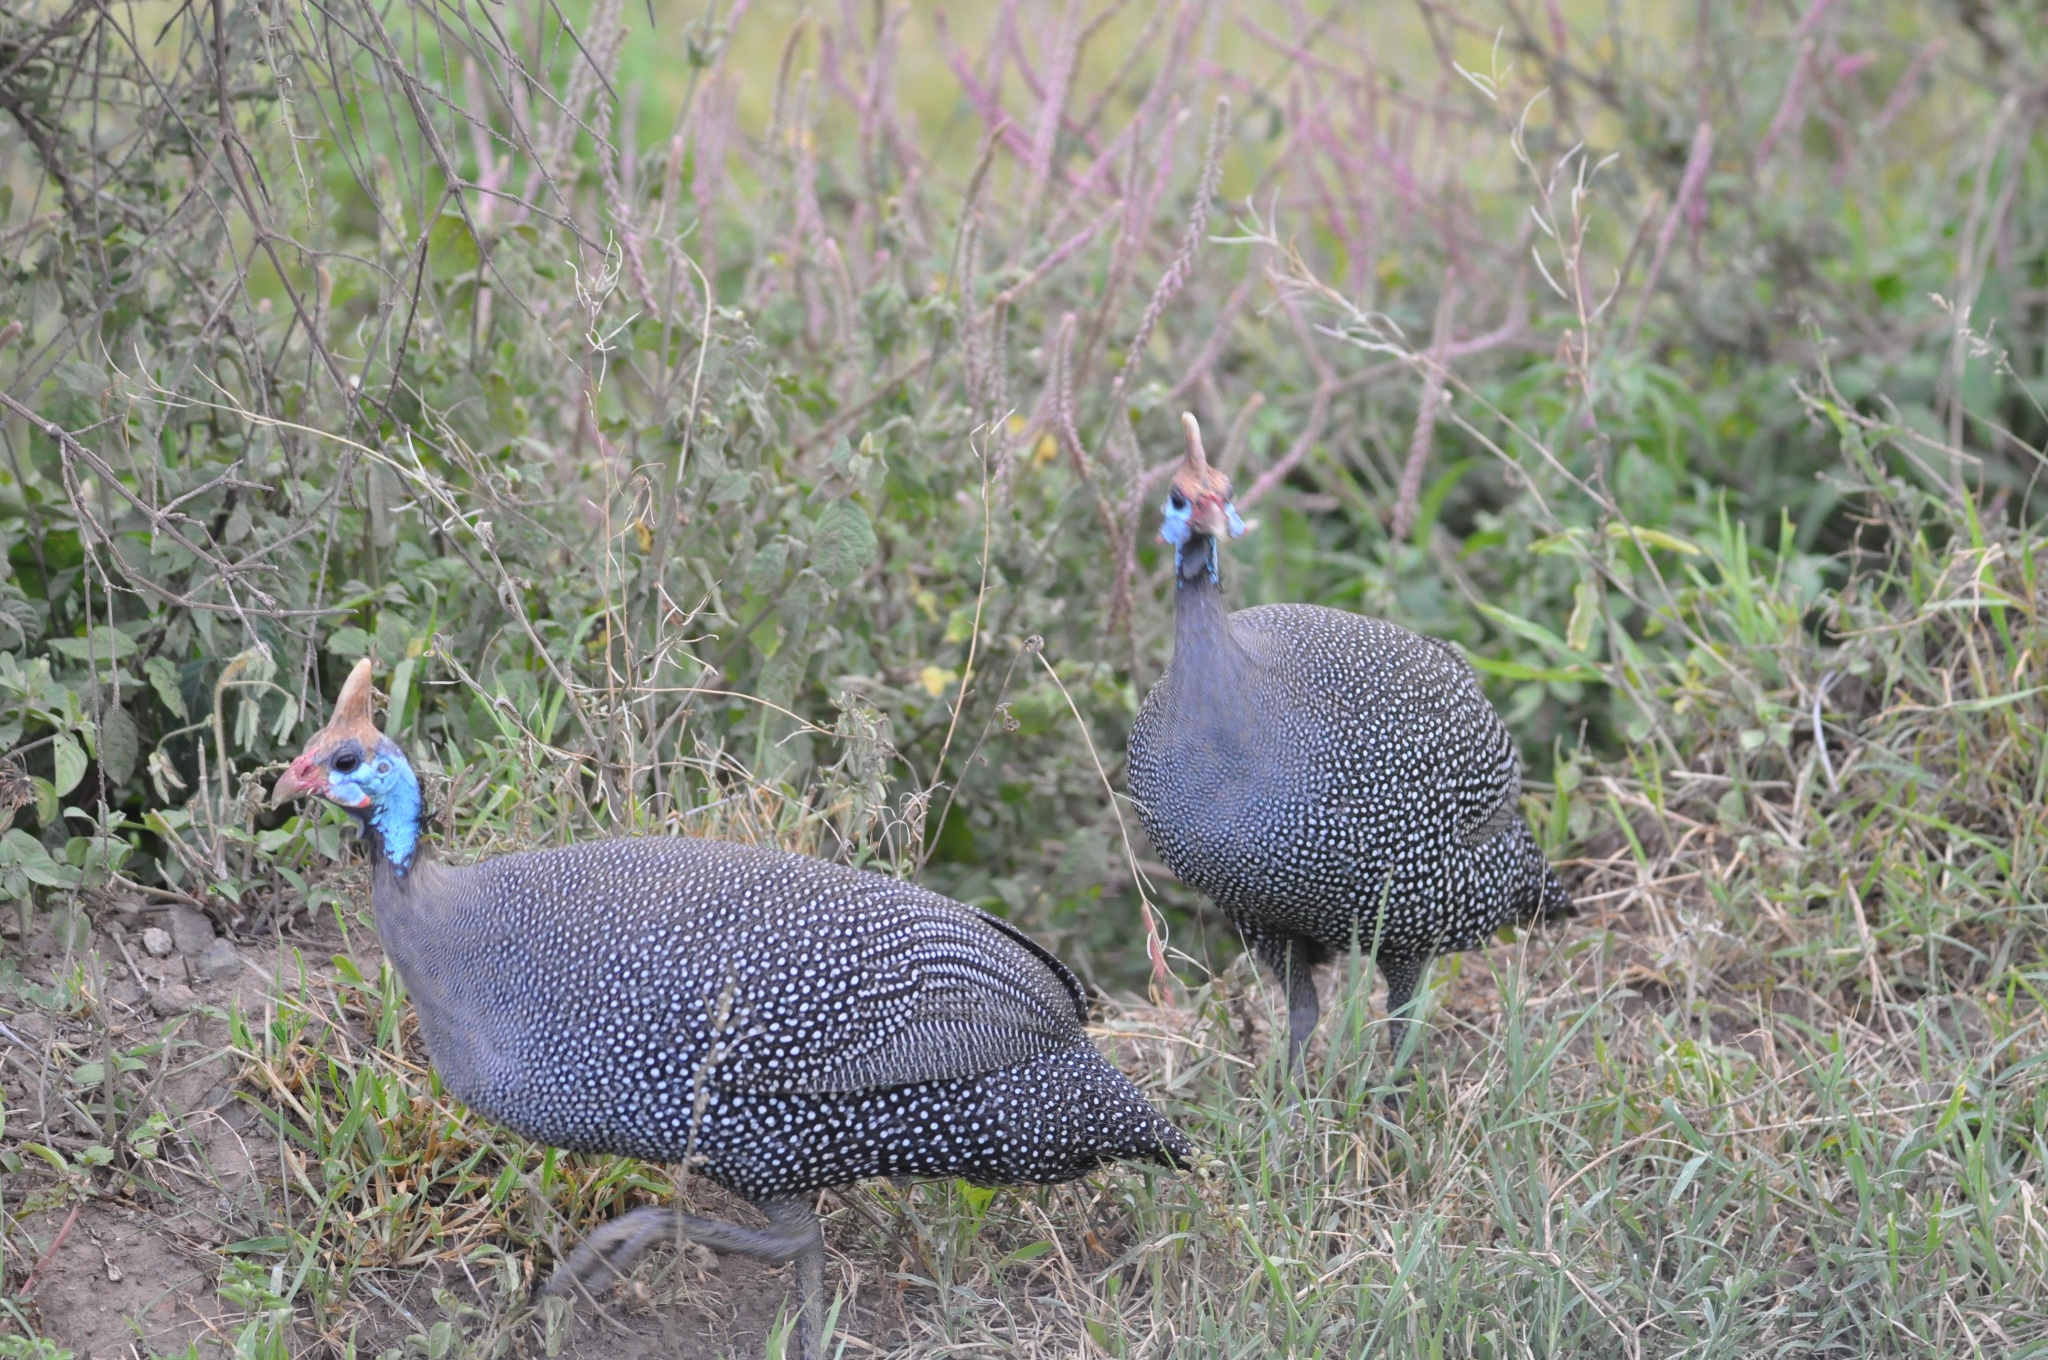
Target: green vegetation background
pixel 750 421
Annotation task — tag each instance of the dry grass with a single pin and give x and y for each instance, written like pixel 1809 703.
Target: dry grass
pixel 790 481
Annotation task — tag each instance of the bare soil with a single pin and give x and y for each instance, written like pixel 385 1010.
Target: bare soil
pixel 131 1267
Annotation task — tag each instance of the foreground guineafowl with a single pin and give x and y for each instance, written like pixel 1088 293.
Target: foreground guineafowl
pixel 1328 779
pixel 777 1022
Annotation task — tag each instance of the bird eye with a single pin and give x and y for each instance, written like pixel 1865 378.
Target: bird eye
pixel 1177 501
pixel 346 762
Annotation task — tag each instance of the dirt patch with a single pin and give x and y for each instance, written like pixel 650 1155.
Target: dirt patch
pixel 126 1231
pixel 127 1188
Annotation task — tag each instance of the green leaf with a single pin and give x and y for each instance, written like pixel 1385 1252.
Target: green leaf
pixel 163 677
pixel 451 249
pixel 1523 628
pixel 1655 538
pixel 401 694
pixel 258 1246
pixel 48 1154
pixel 1518 670
pixel 21 620
pixel 1433 499
pixel 146 1138
pixel 1578 632
pixel 18 848
pixel 287 719
pixel 120 744
pixel 843 544
pixel 1692 1168
pixel 100 644
pixel 70 764
pixel 765 572
pixel 51 874
pixel 394 635
pixel 1994 701
pixel 1564 541
pixel 1030 1251
pixel 348 643
pixel 46 799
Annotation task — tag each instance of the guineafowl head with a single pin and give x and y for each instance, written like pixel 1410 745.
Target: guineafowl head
pixel 353 765
pixel 1198 511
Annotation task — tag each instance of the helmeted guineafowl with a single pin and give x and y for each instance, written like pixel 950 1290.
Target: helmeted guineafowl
pixel 1328 779
pixel 777 1022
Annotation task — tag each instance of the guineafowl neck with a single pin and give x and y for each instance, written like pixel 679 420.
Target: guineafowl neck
pixel 1198 612
pixel 449 966
pixel 407 901
pixel 1204 643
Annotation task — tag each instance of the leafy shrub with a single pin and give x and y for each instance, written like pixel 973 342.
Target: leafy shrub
pixel 661 468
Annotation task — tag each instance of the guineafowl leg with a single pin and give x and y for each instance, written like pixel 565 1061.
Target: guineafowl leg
pixel 1292 959
pixel 1402 974
pixel 1298 976
pixel 794 1219
pixel 793 1234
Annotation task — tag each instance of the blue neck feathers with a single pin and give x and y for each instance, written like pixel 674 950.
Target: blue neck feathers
pixel 393 811
pixel 397 824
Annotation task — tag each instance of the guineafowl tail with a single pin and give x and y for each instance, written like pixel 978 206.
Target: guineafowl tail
pixel 1543 898
pixel 1556 903
pixel 1059 1117
pixel 1175 1150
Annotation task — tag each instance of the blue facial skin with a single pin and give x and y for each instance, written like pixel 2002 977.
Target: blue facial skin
pixel 1178 527
pixel 381 789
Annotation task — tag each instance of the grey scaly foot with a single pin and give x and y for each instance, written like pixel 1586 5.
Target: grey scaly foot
pixel 610 1251
pixel 793 1234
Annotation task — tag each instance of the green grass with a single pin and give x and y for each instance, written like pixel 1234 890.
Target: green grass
pixel 1644 1134
pixel 749 436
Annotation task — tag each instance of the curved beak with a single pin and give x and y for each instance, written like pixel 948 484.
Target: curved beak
pixel 304 777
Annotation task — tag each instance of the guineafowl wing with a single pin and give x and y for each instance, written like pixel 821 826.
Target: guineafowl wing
pixel 1488 789
pixel 1059 970
pixel 968 994
pixel 1483 773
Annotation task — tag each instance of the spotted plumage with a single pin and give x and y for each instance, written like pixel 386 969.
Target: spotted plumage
pixel 790 1023
pixel 1328 779
pixel 780 1023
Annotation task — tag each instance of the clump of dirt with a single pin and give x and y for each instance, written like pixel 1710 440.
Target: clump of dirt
pixel 131 1181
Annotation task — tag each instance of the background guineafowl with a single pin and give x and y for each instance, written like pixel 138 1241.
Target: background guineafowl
pixel 1325 777
pixel 783 1023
